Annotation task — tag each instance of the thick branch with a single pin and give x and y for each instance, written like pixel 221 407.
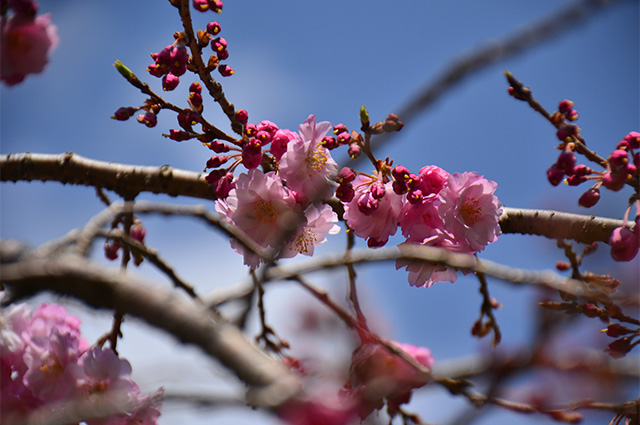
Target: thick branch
pixel 70 168
pixel 26 275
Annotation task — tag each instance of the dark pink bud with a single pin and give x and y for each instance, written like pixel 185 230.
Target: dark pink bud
pixel 589 198
pixel 633 139
pixel 623 144
pixel 636 159
pixel 354 150
pixel 329 142
pixel 218 44
pixel 566 131
pixel 215 6
pixel 618 158
pixel 179 59
pixel 250 130
pixel 415 196
pixel 224 186
pixel 581 170
pixel 123 113
pixel 367 204
pixel 195 88
pixel 225 70
pixel 565 106
pixel 613 181
pixel 148 118
pixel 563 266
pixel 195 99
pixel 222 54
pixel 218 147
pixel 201 5
pixel 252 154
pixel 138 232
pixel 157 70
pixel 216 161
pixel 555 175
pixel 346 175
pixel 377 190
pixel 566 160
pixel 630 170
pixel 572 115
pixel 213 28
pixel 615 330
pixel 111 250
pixel 340 128
pixel 214 176
pixel 400 187
pixel 170 82
pixel 400 172
pixel 344 138
pixel 575 180
pixel 264 137
pixel 269 127
pixel 624 244
pixel 392 123
pixel 188 120
pixel 242 116
pixel 179 135
pixel 345 192
pixel 620 347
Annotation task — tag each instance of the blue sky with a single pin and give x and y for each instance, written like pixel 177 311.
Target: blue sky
pixel 295 58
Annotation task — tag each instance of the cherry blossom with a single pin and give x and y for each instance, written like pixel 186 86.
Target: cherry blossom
pixel 307 166
pixel 321 220
pixel 26 45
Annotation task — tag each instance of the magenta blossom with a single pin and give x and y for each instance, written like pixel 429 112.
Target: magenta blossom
pixel 372 218
pixel 321 220
pixel 26 45
pixel 307 166
pixel 264 209
pixel 470 210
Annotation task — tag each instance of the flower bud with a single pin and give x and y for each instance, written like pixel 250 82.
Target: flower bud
pixel 565 106
pixel 213 28
pixel 148 118
pixel 242 116
pixel 624 244
pixel 346 175
pixel 555 175
pixel 179 135
pixel 218 147
pixel 224 186
pixel 123 113
pixel 138 232
pixel 217 161
pixel 633 138
pixel 354 150
pixel 170 82
pixel 225 70
pixel 345 192
pixel 590 198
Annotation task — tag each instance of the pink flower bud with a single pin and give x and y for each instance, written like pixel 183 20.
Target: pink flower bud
pixel 170 82
pixel 566 131
pixel 567 160
pixel 214 176
pixel 111 250
pixel 242 116
pixel 555 175
pixel 179 135
pixel 148 118
pixel 252 154
pixel 633 138
pixel 222 54
pixel 213 28
pixel 195 87
pixel 339 128
pixel 344 138
pixel 225 70
pixel 138 232
pixel 400 172
pixel 264 137
pixel 123 113
pixel 624 244
pixel 219 147
pixel 224 186
pixel 346 175
pixel 589 198
pixel 354 150
pixel 201 5
pixel 217 161
pixel 215 6
pixel 329 142
pixel 565 106
pixel 613 181
pixel 618 158
pixel 345 192
pixel 377 190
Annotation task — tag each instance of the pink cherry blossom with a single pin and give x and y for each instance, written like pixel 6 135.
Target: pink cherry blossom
pixel 280 142
pixel 380 223
pixel 26 45
pixel 321 220
pixel 307 166
pixel 263 208
pixel 377 375
pixel 470 210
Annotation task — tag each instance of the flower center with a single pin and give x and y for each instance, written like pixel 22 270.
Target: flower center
pixel 265 212
pixel 315 161
pixel 470 211
pixel 303 241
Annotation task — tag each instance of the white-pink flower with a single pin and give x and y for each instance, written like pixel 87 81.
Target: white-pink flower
pixel 26 45
pixel 307 166
pixel 321 220
pixel 263 208
pixel 379 220
pixel 470 210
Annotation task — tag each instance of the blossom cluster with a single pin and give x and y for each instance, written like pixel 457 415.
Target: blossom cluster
pixel 27 41
pixel 278 208
pixel 621 168
pixel 45 364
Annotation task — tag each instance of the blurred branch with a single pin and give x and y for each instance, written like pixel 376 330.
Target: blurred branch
pixel 25 274
pixel 552 26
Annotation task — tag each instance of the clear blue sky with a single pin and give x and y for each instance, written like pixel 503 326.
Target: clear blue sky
pixel 294 58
